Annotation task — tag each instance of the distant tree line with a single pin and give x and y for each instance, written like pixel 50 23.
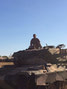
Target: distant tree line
pixel 5 59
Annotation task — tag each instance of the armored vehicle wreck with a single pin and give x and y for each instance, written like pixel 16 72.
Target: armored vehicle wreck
pixel 35 56
pixel 35 68
pixel 30 72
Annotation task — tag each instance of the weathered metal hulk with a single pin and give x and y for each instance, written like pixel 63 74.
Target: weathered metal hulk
pixel 34 57
pixel 29 72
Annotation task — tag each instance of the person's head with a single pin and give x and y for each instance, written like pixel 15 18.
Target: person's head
pixel 34 35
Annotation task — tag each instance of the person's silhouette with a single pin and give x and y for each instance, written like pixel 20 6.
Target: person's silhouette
pixel 35 43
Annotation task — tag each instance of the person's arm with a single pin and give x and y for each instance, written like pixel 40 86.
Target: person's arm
pixel 39 43
pixel 31 43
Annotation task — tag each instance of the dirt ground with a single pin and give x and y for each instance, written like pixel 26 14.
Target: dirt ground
pixel 5 63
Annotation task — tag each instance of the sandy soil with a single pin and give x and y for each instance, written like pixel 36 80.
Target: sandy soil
pixel 5 63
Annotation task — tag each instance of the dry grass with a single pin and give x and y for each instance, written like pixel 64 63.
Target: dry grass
pixel 5 63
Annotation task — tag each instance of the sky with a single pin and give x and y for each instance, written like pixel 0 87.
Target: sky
pixel 20 19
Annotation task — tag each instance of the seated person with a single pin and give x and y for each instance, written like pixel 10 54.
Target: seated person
pixel 35 43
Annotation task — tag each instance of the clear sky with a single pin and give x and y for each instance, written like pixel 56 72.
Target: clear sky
pixel 20 19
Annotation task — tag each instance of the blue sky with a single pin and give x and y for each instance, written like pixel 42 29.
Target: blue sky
pixel 20 19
